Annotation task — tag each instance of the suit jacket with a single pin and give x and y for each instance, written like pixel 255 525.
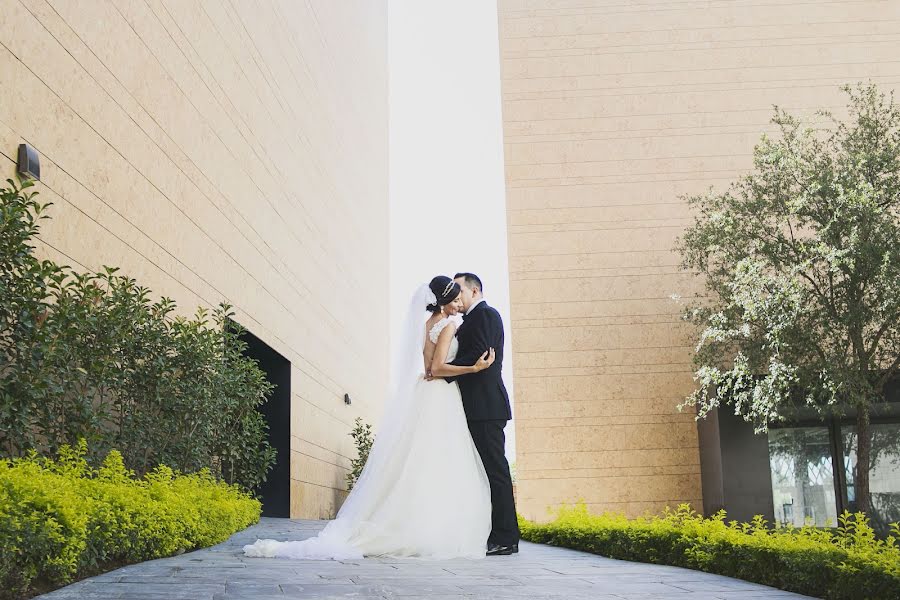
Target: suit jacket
pixel 484 396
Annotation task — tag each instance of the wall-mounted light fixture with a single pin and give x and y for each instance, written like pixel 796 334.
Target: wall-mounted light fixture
pixel 29 165
pixel 347 399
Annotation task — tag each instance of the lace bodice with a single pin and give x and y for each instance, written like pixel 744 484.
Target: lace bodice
pixel 439 327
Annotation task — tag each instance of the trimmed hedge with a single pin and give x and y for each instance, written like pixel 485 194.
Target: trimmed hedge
pixel 846 562
pixel 61 520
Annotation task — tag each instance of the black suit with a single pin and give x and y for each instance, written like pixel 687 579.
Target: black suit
pixel 486 404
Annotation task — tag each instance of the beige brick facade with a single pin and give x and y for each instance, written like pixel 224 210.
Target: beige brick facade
pixel 223 151
pixel 612 109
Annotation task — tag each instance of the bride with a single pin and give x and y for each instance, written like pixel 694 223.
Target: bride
pixel 423 492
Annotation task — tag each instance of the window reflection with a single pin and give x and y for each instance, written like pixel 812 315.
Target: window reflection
pixel 802 477
pixel 884 475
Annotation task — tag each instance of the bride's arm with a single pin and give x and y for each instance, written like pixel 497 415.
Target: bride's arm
pixel 428 354
pixel 439 368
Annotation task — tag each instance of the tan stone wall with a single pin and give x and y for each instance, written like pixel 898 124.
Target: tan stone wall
pixel 223 151
pixel 612 109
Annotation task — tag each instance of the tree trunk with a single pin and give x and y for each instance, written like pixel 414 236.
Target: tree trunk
pixel 863 456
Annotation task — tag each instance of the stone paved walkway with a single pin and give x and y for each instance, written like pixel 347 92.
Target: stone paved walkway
pixel 537 572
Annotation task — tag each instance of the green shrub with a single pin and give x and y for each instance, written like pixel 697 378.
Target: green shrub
pixel 363 439
pixel 61 520
pixel 89 355
pixel 847 562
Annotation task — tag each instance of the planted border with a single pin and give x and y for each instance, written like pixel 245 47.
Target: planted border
pixel 846 562
pixel 61 520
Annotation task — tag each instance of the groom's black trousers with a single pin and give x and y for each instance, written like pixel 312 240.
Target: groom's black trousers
pixel 490 441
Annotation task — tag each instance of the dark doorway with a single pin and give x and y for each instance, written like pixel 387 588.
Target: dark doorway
pixel 275 493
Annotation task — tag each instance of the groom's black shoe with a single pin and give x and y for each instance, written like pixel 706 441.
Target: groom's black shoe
pixel 498 550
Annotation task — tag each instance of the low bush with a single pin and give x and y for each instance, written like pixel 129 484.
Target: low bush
pixel 61 520
pixel 848 561
pixel 363 438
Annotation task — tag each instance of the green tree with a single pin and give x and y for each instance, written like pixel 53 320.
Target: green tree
pixel 90 355
pixel 801 260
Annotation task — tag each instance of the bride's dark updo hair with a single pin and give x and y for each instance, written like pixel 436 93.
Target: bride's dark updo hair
pixel 445 290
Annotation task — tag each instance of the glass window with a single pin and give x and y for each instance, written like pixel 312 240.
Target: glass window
pixel 802 477
pixel 884 476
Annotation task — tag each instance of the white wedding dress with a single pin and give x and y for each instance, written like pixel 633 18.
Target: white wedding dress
pixel 424 492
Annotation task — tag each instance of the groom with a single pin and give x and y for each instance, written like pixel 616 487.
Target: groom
pixel 486 404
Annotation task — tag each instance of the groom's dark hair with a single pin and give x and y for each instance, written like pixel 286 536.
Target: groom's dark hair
pixel 472 280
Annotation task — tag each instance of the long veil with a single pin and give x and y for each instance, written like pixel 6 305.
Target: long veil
pixel 382 469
